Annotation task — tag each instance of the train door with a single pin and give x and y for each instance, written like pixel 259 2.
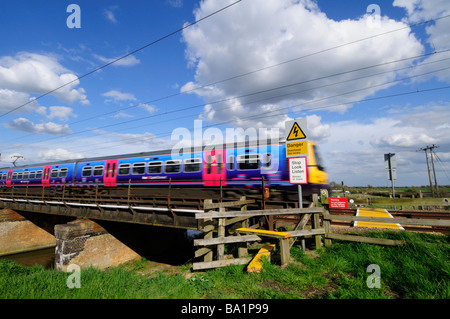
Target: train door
pixel 110 177
pixel 46 176
pixel 9 178
pixel 214 168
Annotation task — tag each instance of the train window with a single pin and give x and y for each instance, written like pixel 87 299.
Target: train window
pixel 98 170
pixel 25 175
pixel 32 174
pixel 173 166
pixel 267 160
pixel 155 167
pixel 54 173
pixel 63 172
pixel 39 174
pixel 124 169
pixel 231 163
pixel 209 163
pixel 192 165
pixel 248 161
pixel 138 168
pixel 86 171
pixel 14 176
pixel 19 176
pixel 219 163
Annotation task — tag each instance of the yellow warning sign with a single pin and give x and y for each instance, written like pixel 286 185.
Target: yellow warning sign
pixel 296 148
pixel 296 133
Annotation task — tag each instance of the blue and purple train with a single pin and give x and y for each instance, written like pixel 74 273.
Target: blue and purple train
pixel 220 166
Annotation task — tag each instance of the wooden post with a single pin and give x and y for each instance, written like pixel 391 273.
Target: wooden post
pixel 316 225
pixel 285 251
pixel 129 191
pixel 208 230
pixel 327 226
pixel 221 234
pixel 242 247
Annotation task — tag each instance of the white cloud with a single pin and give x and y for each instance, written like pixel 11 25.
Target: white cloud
pixel 58 154
pixel 353 151
pixel 62 113
pixel 255 35
pixel 117 96
pixel 108 13
pixel 437 31
pixel 130 60
pixel 25 125
pixel 149 108
pixel 33 73
pixel 10 99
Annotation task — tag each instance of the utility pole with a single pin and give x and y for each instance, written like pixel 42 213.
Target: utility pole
pixel 428 167
pixel 390 163
pixel 16 158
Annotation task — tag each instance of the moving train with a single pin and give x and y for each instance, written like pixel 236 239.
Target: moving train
pixel 228 166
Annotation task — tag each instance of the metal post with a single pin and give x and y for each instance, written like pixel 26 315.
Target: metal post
pixel 300 196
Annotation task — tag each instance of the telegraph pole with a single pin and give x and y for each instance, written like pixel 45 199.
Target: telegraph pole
pixel 428 166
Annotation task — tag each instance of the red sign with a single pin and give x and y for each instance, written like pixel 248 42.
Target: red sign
pixel 338 202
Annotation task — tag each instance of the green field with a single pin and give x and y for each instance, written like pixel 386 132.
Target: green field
pixel 418 270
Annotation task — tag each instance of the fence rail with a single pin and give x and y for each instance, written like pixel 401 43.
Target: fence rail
pixel 327 218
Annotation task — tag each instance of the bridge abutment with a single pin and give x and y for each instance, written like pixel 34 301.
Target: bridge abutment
pixel 85 243
pixel 21 233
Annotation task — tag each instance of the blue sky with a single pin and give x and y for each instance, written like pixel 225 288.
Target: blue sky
pixel 368 80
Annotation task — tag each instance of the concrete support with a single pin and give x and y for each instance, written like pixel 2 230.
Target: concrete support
pixel 20 234
pixel 85 243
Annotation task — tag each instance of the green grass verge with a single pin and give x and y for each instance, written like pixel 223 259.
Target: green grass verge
pixel 418 270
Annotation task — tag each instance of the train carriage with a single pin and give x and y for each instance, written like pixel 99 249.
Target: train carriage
pixel 219 166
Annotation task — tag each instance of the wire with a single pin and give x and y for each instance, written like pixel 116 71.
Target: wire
pixel 122 57
pixel 255 93
pixel 444 168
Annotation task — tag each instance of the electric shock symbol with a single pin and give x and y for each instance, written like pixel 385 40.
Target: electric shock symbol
pixel 296 133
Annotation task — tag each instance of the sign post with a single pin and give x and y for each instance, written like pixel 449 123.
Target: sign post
pixel 390 163
pixel 296 152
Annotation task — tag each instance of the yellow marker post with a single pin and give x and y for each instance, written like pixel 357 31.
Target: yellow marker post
pixel 256 263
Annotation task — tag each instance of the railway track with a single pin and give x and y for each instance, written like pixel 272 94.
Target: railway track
pixel 415 214
pixel 193 199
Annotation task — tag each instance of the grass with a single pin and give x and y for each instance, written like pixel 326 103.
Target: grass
pixel 418 270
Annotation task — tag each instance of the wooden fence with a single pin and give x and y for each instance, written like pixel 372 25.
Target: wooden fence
pixel 228 218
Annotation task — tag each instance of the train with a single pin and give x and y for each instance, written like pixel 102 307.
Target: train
pixel 225 166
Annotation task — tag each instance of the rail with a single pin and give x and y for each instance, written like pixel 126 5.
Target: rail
pixel 327 218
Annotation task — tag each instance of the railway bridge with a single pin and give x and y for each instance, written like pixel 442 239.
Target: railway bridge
pixel 122 226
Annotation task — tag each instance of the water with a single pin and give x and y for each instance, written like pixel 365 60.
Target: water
pixel 42 257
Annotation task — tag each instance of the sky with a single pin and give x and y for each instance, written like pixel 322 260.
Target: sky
pixel 370 77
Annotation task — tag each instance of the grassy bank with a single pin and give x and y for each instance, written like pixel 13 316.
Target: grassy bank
pixel 419 269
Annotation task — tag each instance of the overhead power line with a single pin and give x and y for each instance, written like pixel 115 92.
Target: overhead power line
pixel 260 92
pixel 122 57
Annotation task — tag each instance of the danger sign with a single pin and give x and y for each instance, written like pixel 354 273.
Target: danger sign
pixel 296 137
pixel 338 203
